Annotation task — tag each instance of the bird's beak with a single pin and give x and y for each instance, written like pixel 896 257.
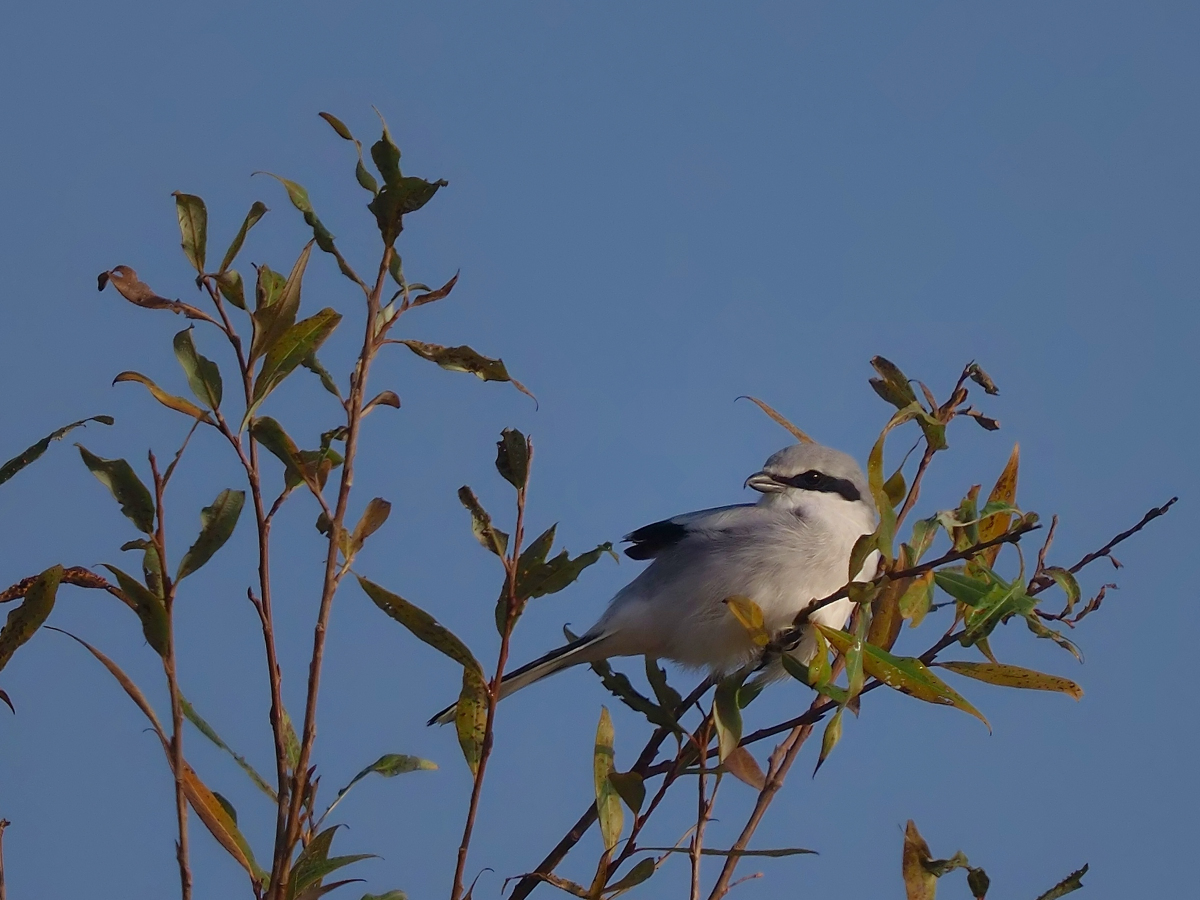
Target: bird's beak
pixel 764 483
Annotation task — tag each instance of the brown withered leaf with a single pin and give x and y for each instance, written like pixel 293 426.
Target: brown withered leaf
pixel 439 294
pixel 137 292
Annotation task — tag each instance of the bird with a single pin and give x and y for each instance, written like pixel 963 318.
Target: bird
pixel 784 552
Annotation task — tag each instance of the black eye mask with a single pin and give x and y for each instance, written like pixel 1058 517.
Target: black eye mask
pixel 812 480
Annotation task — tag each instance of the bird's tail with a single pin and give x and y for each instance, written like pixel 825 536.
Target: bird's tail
pixel 572 654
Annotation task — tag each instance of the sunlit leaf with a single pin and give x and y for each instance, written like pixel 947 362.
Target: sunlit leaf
pixel 608 802
pixel 470 717
pixel 816 676
pixel 464 359
pixel 906 674
pixel 257 211
pixel 1005 490
pixel 216 526
pixel 512 457
pixel 962 587
pixel 421 624
pixel 219 823
pixel 917 599
pixel 171 401
pixel 24 621
pixel 149 608
pixel 750 617
pixel 1014 677
pixel 895 488
pixel 137 292
pixel 118 476
pixel 193 227
pixel 887 514
pixel 1065 580
pixel 17 463
pixel 372 520
pixel 489 537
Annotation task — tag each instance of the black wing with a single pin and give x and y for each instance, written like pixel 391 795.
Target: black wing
pixel 650 540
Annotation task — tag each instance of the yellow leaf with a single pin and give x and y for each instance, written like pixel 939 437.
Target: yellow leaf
pixel 748 613
pixel 1004 491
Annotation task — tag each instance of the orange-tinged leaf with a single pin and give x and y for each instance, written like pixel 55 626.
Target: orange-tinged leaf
pixel 1005 491
pixel 742 765
pixel 219 823
pixel 170 401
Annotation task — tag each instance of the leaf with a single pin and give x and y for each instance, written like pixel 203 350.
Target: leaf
pixel 470 717
pixel 203 375
pixel 978 883
pixel 906 674
pixel 892 384
pixel 257 211
pixel 727 714
pixel 216 526
pixel 1072 882
pixel 464 359
pixel 421 624
pixel 8 701
pixel 608 803
pixel 917 599
pixel 291 743
pixel 149 608
pixel 886 619
pixel 895 488
pixel 558 573
pixel 268 287
pixel 1031 620
pixel 276 313
pixel 1005 491
pixel 137 292
pixel 207 730
pixel 631 788
pixel 372 520
pixel 24 621
pixel 750 617
pixel 337 125
pixel 923 533
pixel 642 871
pixel 706 851
pixel 816 676
pixel 118 476
pixel 400 195
pixel 512 457
pixel 219 823
pixel 300 466
pixel 440 294
pixel 313 365
pixel 1014 677
pixel 390 895
pixel 961 586
pixel 617 684
pixel 742 765
pixel 829 740
pixel 982 379
pixel 490 538
pixel 193 226
pixel 292 348
pixel 780 420
pixel 389 766
pixel 1067 582
pixel 229 808
pixel 232 289
pixel 668 697
pixel 314 863
pixel 324 239
pixel 919 882
pixel 19 462
pixel 887 514
pixel 179 404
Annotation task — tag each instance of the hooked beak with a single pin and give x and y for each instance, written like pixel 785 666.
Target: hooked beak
pixel 764 483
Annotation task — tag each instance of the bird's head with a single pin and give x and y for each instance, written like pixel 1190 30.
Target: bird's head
pixel 803 473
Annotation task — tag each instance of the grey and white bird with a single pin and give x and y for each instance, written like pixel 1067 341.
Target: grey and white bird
pixel 784 552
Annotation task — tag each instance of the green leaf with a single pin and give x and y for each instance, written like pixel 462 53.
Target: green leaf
pixel 512 457
pixel 641 872
pixel 534 555
pixel 923 533
pixel 421 624
pixel 1067 582
pixel 631 788
pixel 389 766
pixel 617 684
pixel 1072 882
pixel 815 676
pixel 895 488
pixel 668 697
pixel 887 515
pixel 267 288
pixel 313 365
pixel 24 621
pixel 149 608
pixel 17 463
pixel 470 716
pixel 1031 620
pixel 464 359
pixel 727 715
pixel 232 289
pixel 276 313
pixel 193 226
pixel 203 375
pixel 337 125
pixel 1014 677
pixel 892 384
pixel 400 195
pixel 179 404
pixel 324 239
pixel 118 476
pixel 216 525
pixel 291 743
pixel 314 863
pixel 227 806
pixel 207 730
pixel 257 211
pixel 558 573
pixel 906 674
pixel 917 599
pixel 829 740
pixel 961 586
pixel 608 802
pixel 489 537
pixel 292 348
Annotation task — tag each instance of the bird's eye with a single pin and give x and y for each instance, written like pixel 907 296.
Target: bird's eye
pixel 810 479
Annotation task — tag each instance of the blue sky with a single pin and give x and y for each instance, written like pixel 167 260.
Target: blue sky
pixel 655 208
